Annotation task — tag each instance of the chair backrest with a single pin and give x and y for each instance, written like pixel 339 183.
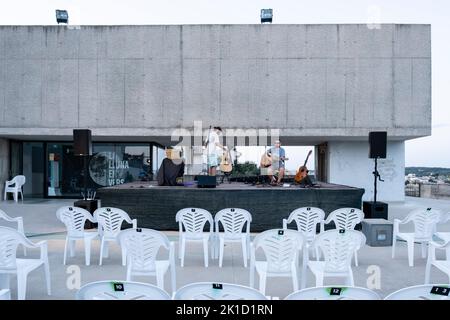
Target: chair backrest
pixel 338 247
pixel 193 220
pixel 121 290
pixel 334 293
pixel 4 216
pixel 217 291
pixel 233 220
pixel 74 219
pixel 9 240
pixel 425 221
pixel 422 292
pixel 110 220
pixel 142 246
pixel 307 219
pixel 346 218
pixel 280 248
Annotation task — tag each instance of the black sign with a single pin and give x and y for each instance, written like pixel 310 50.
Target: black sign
pixel 118 286
pixel 335 291
pixel 217 286
pixel 442 291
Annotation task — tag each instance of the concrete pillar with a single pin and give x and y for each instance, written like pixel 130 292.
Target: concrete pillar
pixel 4 164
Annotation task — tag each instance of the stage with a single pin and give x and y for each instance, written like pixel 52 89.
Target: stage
pixel 155 206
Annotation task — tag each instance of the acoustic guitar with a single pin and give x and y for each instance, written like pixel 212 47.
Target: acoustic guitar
pixel 302 172
pixel 225 164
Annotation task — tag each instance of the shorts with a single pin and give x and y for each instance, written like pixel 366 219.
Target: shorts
pixel 213 160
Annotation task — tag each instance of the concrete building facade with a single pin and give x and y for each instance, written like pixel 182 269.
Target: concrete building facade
pixel 322 85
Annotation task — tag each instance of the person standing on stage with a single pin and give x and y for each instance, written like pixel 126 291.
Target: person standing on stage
pixel 278 156
pixel 214 150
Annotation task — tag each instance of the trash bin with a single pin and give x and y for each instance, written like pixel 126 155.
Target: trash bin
pixel 91 206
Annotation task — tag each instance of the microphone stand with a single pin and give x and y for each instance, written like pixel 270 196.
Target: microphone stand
pixel 206 147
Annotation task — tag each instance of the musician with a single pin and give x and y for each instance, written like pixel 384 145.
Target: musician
pixel 278 155
pixel 214 150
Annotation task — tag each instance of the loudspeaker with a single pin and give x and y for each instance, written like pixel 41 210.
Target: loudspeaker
pixel 82 144
pixel 206 181
pixel 377 142
pixel 375 210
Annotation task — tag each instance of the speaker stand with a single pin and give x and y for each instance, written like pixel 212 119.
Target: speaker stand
pixel 377 177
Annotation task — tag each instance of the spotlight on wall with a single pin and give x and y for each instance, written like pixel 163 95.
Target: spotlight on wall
pixel 62 16
pixel 266 15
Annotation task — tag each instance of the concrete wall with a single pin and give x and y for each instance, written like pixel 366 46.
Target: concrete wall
pixel 4 165
pixel 350 165
pixel 315 82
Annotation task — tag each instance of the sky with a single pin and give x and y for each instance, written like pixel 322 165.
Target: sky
pixel 428 151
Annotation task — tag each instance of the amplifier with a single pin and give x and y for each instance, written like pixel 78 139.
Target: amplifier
pixel 206 181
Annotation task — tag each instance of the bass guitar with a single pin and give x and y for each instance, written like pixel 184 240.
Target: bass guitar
pixel 302 172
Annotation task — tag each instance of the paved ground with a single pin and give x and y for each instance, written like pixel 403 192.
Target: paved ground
pixel 41 223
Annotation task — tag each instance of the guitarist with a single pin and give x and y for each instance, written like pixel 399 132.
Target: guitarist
pixel 278 155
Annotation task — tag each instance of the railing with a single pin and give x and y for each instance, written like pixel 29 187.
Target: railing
pixel 428 190
pixel 412 190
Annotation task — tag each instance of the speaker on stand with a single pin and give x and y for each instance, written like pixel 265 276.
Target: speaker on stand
pixel 377 150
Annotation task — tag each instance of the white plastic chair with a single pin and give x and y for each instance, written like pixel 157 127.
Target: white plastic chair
pixel 444 236
pixel 193 221
pixel 5 294
pixel 233 221
pixel 338 247
pixel 422 292
pixel 443 265
pixel 10 264
pixel 19 221
pixel 280 248
pixel 217 291
pixel 142 246
pixel 109 225
pixel 345 218
pixel 306 219
pixel 334 293
pixel 121 290
pixel 14 186
pixel 425 221
pixel 74 219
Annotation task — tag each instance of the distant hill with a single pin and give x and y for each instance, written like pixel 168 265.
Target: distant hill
pixel 427 171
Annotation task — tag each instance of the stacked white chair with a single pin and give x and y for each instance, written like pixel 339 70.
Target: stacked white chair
pixel 109 225
pixel 217 291
pixel 345 218
pixel 233 221
pixel 422 292
pixel 425 221
pixel 443 265
pixel 444 236
pixel 10 264
pixel 280 249
pixel 14 186
pixel 191 223
pixel 121 290
pixel 74 219
pixel 334 293
pixel 19 221
pixel 142 246
pixel 337 247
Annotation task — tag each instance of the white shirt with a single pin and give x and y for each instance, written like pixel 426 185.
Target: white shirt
pixel 213 140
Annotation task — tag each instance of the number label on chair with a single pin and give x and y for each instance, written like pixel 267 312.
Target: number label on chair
pixel 341 230
pixel 442 291
pixel 280 232
pixel 118 286
pixel 138 230
pixel 335 291
pixel 217 286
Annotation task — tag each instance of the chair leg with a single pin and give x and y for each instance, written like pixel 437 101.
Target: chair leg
pixel 394 243
pixel 410 252
pixel 47 278
pixel 129 272
pixel 183 249
pixel 102 245
pixel 205 251
pixel 356 258
pixel 262 282
pixel 424 249
pixel 427 273
pixel 87 250
pixel 294 279
pixel 21 285
pixel 319 279
pixel 244 251
pixel 160 279
pixel 124 255
pixel 65 250
pixel 221 249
